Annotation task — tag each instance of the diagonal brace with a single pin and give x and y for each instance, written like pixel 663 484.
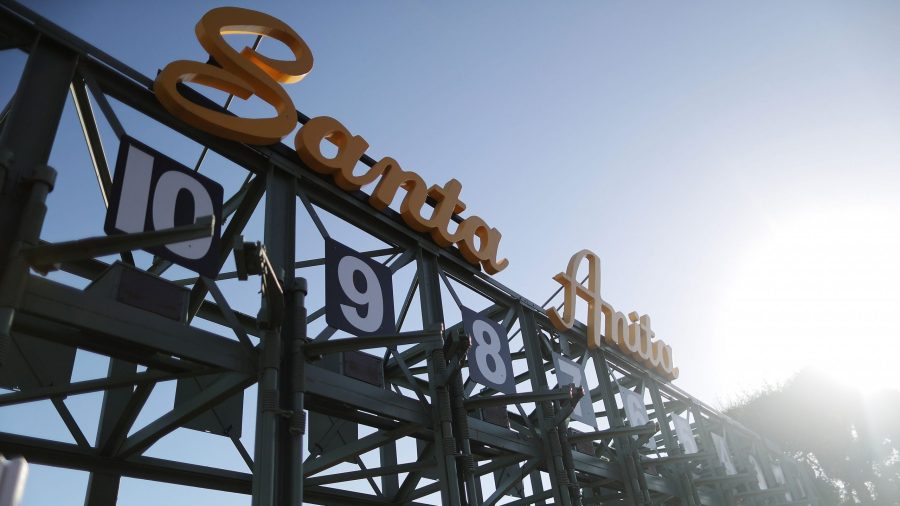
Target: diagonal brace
pixel 357 447
pixel 218 391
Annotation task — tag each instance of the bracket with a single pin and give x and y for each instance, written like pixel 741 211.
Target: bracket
pixel 250 258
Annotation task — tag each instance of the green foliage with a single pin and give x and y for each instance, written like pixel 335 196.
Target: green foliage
pixel 851 441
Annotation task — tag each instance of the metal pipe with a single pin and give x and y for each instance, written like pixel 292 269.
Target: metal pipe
pixel 267 408
pixel 297 426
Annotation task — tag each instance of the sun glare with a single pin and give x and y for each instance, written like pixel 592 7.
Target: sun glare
pixel 823 289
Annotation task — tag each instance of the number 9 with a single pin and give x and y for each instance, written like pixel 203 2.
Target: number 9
pixel 369 301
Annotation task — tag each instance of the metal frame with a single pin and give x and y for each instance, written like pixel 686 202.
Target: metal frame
pixel 425 397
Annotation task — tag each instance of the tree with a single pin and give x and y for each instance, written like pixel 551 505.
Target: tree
pixel 851 441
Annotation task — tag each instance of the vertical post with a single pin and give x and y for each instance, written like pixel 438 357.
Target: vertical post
pixel 559 478
pixel 442 415
pixel 708 446
pixel 268 407
pixel 537 485
pixel 273 476
pixel 567 458
pixel 390 483
pixel 762 458
pixel 804 475
pixel 25 180
pixel 461 426
pixel 791 476
pixel 297 371
pixel 281 219
pixel 103 487
pixel 685 485
pixel 634 493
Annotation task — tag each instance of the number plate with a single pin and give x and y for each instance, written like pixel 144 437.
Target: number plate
pixel 490 362
pixel 359 295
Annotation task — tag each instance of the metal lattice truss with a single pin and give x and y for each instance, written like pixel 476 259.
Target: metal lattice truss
pixel 385 419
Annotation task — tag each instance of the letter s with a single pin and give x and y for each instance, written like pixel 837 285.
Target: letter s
pixel 242 74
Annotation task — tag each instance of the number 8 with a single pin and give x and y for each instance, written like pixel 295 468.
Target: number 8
pixel 369 300
pixel 484 349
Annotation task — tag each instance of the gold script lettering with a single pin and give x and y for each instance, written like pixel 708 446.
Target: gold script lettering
pixel 241 74
pixel 635 339
pixel 249 73
pixel 477 242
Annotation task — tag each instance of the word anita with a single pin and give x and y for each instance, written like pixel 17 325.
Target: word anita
pixel 249 73
pixel 635 338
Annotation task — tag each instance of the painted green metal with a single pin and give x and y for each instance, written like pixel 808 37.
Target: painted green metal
pixel 426 400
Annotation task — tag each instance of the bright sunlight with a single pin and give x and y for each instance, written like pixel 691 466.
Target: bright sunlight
pixel 823 289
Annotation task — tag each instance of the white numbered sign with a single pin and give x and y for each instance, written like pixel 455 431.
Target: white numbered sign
pixel 153 192
pixel 723 453
pixel 685 434
pixel 636 412
pixel 568 372
pixel 760 475
pixel 490 362
pixel 358 292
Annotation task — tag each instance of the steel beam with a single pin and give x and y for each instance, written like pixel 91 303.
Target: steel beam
pixel 722 496
pixel 86 386
pixel 286 346
pixel 25 143
pixel 559 481
pixel 288 387
pixel 625 454
pixel 222 388
pixel 452 490
pixel 686 492
pixel 103 487
pixel 118 323
pixel 59 454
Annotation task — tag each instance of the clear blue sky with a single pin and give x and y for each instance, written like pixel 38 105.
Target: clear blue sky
pixel 734 164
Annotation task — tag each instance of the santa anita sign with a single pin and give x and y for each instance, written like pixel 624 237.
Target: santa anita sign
pixel 634 338
pixel 249 73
